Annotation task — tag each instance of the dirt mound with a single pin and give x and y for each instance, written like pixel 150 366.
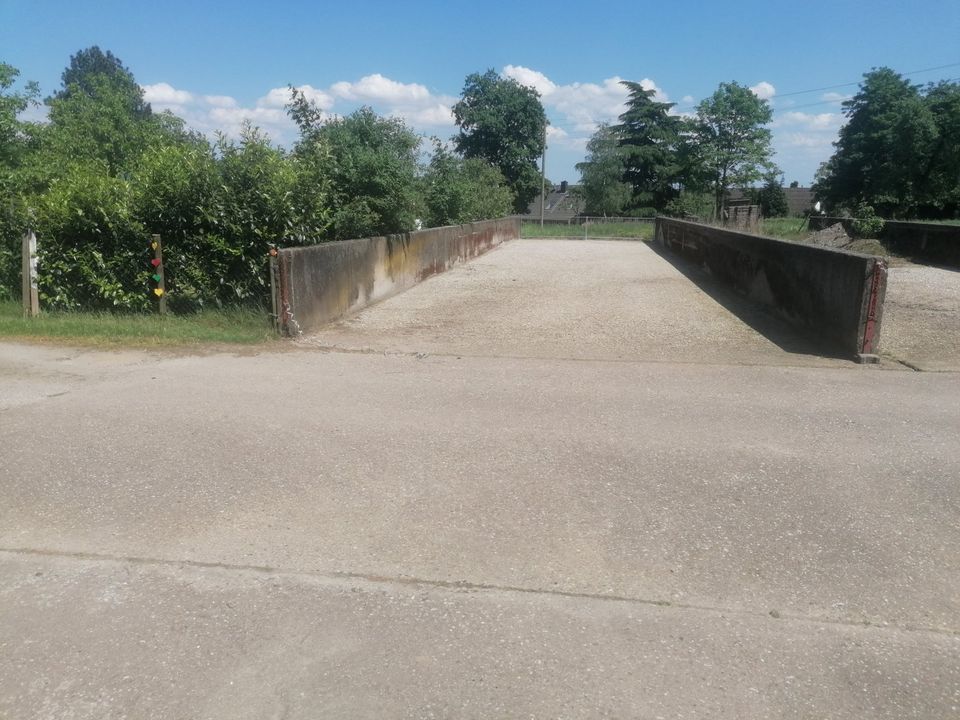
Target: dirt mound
pixel 834 236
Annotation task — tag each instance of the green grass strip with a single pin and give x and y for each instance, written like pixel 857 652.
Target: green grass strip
pixel 229 326
pixel 639 230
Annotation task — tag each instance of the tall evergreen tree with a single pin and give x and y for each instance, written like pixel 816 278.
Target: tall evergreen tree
pixel 650 139
pixel 771 197
pixel 602 183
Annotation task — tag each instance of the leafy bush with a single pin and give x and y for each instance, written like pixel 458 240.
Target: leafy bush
pixel 458 191
pixel 92 251
pixel 866 223
pixel 691 204
pixel 13 221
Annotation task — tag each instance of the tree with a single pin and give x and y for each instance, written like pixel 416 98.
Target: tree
pixel 732 143
pixel 881 152
pixel 602 185
pixel 650 140
pixel 373 168
pixel 503 122
pixel 940 178
pixel 771 197
pixel 87 66
pixel 457 190
pixel 12 103
pixel 99 116
pixel 14 147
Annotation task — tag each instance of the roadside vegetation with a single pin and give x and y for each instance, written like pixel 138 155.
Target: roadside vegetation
pixel 785 228
pixel 636 230
pixel 104 172
pixel 656 162
pixel 231 326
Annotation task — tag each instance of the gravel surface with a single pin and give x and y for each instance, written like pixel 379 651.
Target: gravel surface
pixel 610 300
pixel 921 317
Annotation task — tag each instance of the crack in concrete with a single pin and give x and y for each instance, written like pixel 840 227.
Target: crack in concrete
pixel 311 346
pixel 464 585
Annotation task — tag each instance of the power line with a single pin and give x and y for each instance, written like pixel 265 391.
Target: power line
pixel 570 127
pixel 834 87
pixel 827 102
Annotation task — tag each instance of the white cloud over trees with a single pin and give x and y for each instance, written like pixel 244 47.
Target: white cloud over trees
pixel 575 110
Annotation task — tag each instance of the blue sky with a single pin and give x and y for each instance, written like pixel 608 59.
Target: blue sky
pixel 217 64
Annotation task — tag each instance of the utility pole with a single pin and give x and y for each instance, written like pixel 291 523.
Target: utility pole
pixel 543 175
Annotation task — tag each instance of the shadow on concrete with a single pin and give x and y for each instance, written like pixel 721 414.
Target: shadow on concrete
pixel 787 337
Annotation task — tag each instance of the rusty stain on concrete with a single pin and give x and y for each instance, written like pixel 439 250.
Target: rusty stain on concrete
pixel 325 282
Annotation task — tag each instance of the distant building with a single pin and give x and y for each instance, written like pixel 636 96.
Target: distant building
pixel 799 199
pixel 562 204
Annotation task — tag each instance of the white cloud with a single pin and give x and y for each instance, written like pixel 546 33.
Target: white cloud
pixel 435 116
pixel 220 100
pixel 279 97
pixel 35 113
pixel 808 121
pixel 531 78
pixel 805 140
pixel 412 102
pixel 165 94
pixel 229 119
pixel 687 99
pixel 763 90
pixel 377 88
pixel 835 97
pixel 582 105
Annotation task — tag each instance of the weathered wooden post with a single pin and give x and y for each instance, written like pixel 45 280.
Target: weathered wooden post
pixel 273 288
pixel 159 276
pixel 31 297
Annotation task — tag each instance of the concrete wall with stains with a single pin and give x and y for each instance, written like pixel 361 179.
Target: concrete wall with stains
pixel 836 294
pixel 924 242
pixel 321 283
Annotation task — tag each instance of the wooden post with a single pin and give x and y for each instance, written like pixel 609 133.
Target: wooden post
pixel 31 297
pixel 157 246
pixel 273 288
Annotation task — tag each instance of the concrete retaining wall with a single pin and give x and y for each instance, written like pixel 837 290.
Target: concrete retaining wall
pixel 928 242
pixel 321 283
pixel 923 242
pixel 837 294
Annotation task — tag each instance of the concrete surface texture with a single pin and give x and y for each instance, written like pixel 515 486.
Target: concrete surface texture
pixel 922 317
pixel 571 530
pixel 317 284
pixel 575 299
pixel 834 293
pixel 927 242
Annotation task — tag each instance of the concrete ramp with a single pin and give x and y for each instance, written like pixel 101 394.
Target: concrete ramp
pixel 574 299
pixel 922 318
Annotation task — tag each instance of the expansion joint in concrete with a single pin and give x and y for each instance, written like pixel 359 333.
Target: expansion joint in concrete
pixel 377 582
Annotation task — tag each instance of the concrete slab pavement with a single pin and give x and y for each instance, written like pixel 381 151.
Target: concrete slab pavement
pixel 574 299
pixel 922 317
pixel 385 534
pixel 119 639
